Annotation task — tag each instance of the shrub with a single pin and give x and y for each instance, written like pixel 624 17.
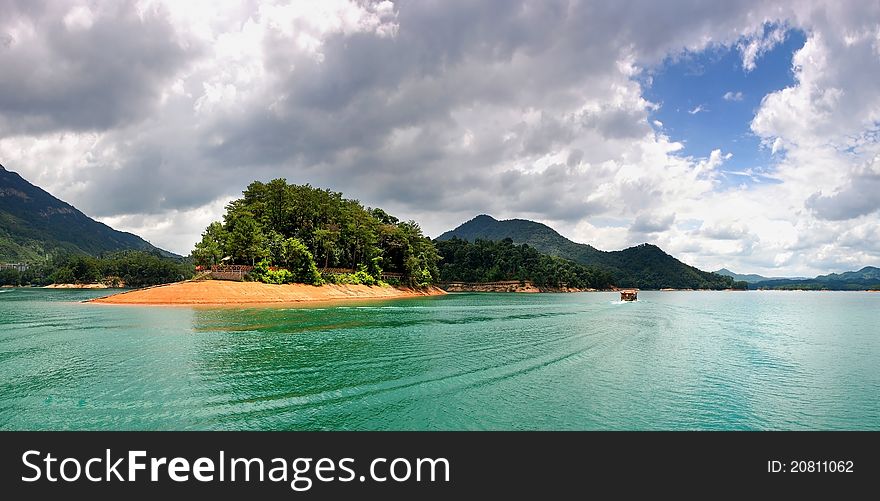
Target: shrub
pixel 281 276
pixel 307 273
pixel 301 262
pixel 360 277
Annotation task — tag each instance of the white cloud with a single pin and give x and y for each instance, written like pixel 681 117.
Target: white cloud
pixel 733 96
pixel 440 111
pixel 756 46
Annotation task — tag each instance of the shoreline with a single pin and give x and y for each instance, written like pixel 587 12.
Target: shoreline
pixel 76 286
pixel 228 293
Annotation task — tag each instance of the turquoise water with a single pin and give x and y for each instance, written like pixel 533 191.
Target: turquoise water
pixel 672 361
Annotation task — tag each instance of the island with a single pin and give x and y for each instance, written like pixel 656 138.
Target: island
pixel 286 243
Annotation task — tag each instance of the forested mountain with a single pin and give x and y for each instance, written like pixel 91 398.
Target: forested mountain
pixel 492 261
pixel 293 232
pixel 34 224
pixel 868 278
pixel 645 266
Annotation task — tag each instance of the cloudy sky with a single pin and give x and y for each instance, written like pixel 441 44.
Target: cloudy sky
pixel 743 134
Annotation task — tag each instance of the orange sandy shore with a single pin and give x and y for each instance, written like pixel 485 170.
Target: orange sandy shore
pixel 219 292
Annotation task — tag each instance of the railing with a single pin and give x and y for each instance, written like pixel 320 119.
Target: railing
pixel 230 271
pixel 337 271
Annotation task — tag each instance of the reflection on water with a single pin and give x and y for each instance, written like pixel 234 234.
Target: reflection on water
pixel 682 360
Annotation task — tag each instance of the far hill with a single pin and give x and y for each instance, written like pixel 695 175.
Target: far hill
pixel 752 278
pixel 33 224
pixel 645 266
pixel 868 278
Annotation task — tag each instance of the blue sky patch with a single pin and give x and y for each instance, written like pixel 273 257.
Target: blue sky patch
pixel 708 100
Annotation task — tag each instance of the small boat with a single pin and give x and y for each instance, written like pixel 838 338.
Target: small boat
pixel 629 295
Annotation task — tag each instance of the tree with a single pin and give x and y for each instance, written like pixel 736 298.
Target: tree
pixel 247 243
pixel 78 269
pixel 300 262
pixel 383 217
pixel 10 277
pixel 326 240
pixel 211 249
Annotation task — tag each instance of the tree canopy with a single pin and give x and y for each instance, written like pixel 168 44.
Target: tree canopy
pixel 491 261
pixel 299 228
pixel 124 268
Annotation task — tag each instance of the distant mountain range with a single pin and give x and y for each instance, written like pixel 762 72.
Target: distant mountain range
pixel 868 278
pixel 34 224
pixel 645 266
pixel 751 277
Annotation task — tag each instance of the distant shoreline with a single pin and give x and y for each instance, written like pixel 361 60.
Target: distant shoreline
pixel 77 286
pixel 228 293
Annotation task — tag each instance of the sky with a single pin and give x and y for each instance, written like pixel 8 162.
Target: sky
pixel 741 134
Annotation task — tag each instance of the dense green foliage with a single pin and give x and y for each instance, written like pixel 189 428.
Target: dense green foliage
pixel 359 277
pixel 645 266
pixel 303 229
pixel 126 268
pixel 35 275
pixel 34 224
pixel 492 261
pixel 868 278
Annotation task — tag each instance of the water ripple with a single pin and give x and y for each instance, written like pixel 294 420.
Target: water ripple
pixel 465 361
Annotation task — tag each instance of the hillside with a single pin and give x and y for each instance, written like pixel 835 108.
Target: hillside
pixel 33 224
pixel 645 266
pixel 485 261
pixel 868 278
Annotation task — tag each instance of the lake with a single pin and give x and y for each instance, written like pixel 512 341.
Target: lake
pixel 671 361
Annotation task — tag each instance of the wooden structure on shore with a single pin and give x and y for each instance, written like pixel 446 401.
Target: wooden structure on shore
pixel 629 294
pixel 337 271
pixel 19 267
pixel 230 271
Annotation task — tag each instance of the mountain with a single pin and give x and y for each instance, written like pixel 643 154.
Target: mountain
pixel 868 278
pixel 751 277
pixel 645 266
pixel 33 224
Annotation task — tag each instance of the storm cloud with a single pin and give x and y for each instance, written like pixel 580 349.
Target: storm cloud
pixel 71 67
pixel 150 114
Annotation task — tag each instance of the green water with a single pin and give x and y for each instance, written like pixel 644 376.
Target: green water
pixel 673 360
